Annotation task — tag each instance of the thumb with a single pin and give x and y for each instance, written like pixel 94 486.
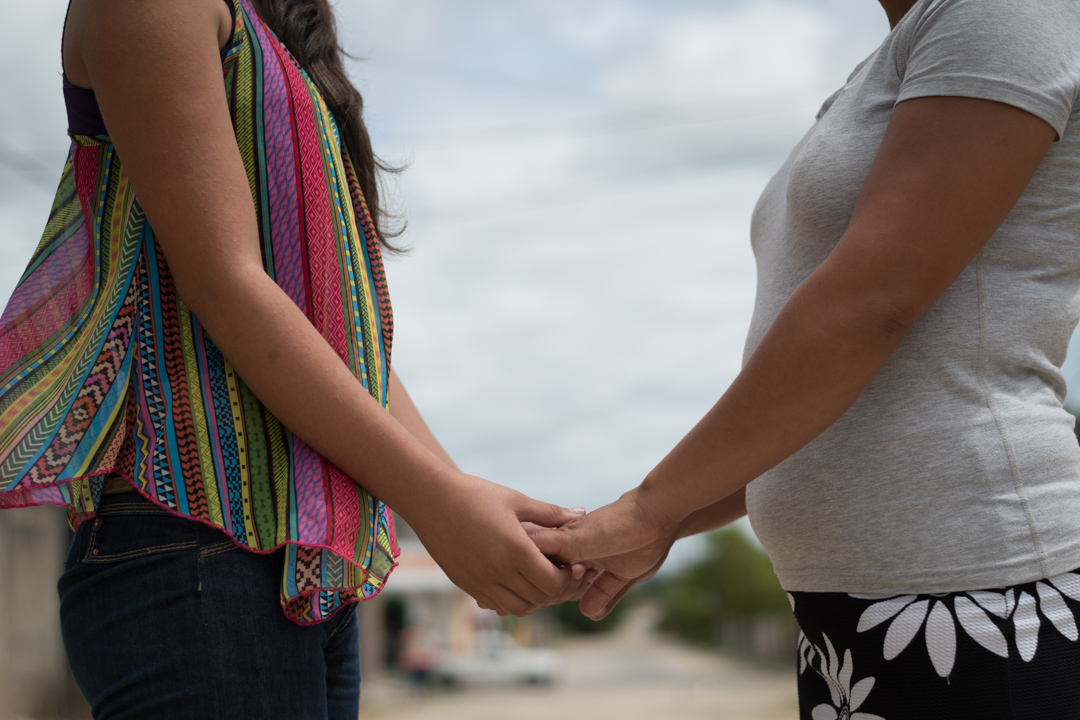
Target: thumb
pixel 546 514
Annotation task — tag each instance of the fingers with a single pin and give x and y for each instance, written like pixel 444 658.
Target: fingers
pixel 490 555
pixel 580 578
pixel 578 585
pixel 516 596
pixel 512 603
pixel 613 530
pixel 531 528
pixel 534 584
pixel 603 595
pixel 504 601
pixel 524 589
pixel 545 514
pixel 615 600
pixel 484 602
pixel 586 582
pixel 555 544
pixel 521 599
pixel 605 592
pixel 581 575
pixel 548 578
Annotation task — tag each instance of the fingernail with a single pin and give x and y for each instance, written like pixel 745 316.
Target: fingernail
pixel 576 511
pixel 579 572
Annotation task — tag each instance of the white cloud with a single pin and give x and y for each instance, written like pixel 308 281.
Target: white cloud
pixel 707 55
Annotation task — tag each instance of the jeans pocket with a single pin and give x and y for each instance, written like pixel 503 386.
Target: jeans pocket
pixel 127 531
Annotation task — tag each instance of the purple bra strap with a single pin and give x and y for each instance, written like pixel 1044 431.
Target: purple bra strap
pixel 84 116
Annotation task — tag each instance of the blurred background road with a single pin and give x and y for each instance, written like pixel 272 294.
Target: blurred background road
pixel 629 673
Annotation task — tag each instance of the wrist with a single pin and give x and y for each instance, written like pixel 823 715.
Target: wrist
pixel 656 505
pixel 693 524
pixel 431 494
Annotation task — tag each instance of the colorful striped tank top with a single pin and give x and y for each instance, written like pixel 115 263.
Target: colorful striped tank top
pixel 104 370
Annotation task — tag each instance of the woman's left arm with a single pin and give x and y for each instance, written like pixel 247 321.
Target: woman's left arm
pixel 948 172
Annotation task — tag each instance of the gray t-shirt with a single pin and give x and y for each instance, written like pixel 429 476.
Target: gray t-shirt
pixel 957 468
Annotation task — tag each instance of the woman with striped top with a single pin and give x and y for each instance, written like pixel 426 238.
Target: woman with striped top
pixel 197 364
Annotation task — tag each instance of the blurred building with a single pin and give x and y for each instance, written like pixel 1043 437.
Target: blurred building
pixel 34 677
pixel 420 597
pixel 421 606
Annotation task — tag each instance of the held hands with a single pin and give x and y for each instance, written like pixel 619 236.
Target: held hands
pixel 476 531
pixel 623 542
pixel 582 574
pixel 501 546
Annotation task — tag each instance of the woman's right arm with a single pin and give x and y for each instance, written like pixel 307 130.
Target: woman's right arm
pixel 946 175
pixel 155 68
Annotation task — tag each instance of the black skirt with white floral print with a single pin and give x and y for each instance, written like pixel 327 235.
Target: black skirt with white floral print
pixel 1006 653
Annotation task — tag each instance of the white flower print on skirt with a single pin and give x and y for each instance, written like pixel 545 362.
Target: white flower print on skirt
pixel 1000 653
pixel 844 698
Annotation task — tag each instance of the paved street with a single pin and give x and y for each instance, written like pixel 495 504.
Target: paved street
pixel 626 675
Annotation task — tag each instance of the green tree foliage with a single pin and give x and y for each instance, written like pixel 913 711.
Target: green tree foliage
pixel 733 582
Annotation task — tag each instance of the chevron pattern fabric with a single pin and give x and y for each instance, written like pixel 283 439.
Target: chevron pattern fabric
pixel 104 370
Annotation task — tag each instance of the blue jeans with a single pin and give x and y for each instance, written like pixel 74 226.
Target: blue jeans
pixel 166 618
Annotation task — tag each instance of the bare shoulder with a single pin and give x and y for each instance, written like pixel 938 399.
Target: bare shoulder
pixel 91 23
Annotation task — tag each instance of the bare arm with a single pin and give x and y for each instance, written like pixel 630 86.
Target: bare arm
pixel 720 513
pixel 404 411
pixel 622 572
pixel 947 174
pixel 155 68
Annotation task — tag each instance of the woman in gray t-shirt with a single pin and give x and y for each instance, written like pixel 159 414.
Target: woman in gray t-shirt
pixel 897 433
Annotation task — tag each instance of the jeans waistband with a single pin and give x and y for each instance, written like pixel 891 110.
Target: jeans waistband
pixel 131 502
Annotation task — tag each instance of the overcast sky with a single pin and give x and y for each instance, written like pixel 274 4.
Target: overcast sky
pixel 580 179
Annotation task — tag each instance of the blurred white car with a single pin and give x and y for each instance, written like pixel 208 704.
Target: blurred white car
pixel 496 658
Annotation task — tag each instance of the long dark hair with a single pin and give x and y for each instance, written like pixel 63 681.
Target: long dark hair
pixel 308 30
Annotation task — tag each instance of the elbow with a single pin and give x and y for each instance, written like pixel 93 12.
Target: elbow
pixel 203 298
pixel 219 289
pixel 882 304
